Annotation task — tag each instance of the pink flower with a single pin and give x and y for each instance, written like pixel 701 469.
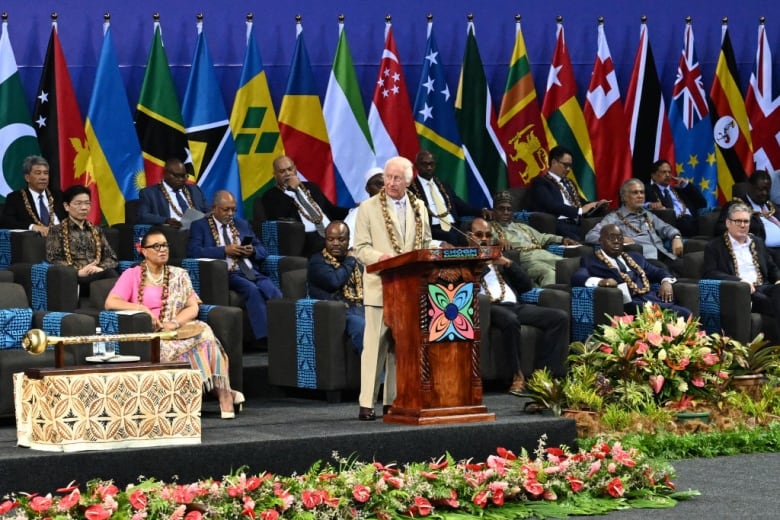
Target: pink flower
pixel 684 362
pixel 697 382
pixel 641 347
pixel 657 383
pixel 655 339
pixel 453 500
pixel 396 482
pixel 550 495
pixel 193 515
pixel 606 349
pixel 611 467
pixel 615 487
pixel 138 499
pixel 625 319
pixel 96 512
pixel 423 506
pixel 361 493
pixel 69 500
pixel 40 504
pixel 108 490
pixel 7 506
pixel 710 358
pixel 674 330
pixel 480 499
pixel 311 499
pixel 533 487
pixel 249 508
pixel 178 513
pixel 269 514
pixel 594 468
pixel 575 483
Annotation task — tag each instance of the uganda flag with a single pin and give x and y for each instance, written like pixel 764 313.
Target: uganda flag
pixel 730 128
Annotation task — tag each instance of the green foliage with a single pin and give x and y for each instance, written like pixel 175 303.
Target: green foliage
pixel 546 390
pixel 580 390
pixel 616 418
pixel 757 357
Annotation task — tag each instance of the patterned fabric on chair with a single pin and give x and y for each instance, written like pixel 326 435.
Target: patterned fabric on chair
pixel 48 286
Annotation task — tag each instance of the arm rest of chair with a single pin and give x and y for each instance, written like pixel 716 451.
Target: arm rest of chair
pixel 214 285
pixel 542 222
pixel 734 317
pixel 691 245
pixel 67 324
pixel 28 246
pixel 227 324
pixel 556 299
pixel 59 291
pixel 687 295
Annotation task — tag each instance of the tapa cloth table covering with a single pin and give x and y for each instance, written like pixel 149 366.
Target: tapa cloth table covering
pixel 100 411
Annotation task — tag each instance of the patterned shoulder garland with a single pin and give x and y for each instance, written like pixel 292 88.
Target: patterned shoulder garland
pixel 630 226
pixel 33 215
pixel 170 202
pixel 314 219
pixel 501 284
pixel 353 289
pixel 215 235
pixel 753 254
pixel 534 243
pixel 418 224
pixel 66 241
pixel 164 298
pixel 634 266
pixel 498 229
pixel 576 202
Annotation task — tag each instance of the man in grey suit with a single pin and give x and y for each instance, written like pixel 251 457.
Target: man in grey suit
pixel 388 224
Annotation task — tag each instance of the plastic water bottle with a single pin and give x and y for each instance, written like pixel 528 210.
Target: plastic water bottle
pixel 98 347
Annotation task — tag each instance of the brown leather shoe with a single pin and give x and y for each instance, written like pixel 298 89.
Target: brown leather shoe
pixel 518 385
pixel 366 414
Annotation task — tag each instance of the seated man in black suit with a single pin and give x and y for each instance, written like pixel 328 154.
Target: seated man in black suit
pixel 335 274
pixel 741 256
pixel 444 207
pixel 668 191
pixel 165 203
pixel 555 193
pixel 35 207
pixel 629 272
pixel 503 281
pixel 222 236
pixel 304 202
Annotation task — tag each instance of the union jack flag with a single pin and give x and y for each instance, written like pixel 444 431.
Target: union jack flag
pixel 761 104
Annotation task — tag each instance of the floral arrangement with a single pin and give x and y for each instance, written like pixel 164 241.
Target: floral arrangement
pixel 554 482
pixel 660 353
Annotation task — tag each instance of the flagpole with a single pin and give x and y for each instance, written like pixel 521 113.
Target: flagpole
pixel 106 23
pixel 249 18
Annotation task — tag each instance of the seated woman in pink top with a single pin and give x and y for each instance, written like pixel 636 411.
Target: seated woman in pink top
pixel 166 294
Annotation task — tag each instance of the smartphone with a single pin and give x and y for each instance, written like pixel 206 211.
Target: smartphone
pixel 246 241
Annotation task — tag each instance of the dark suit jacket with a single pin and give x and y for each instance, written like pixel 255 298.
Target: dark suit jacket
pixel 591 266
pixel 546 196
pixel 279 206
pixel 719 266
pixel 690 195
pixel 324 280
pixel 202 244
pixel 458 207
pixel 15 215
pixel 154 209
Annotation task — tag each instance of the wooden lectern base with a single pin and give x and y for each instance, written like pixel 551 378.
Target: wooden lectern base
pixel 455 414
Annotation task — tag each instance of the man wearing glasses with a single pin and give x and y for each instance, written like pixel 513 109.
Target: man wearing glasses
pixel 36 206
pixel 555 193
pixel 166 202
pixel 78 243
pixel 741 256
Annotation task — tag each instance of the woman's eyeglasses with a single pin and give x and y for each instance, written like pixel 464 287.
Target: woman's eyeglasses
pixel 157 247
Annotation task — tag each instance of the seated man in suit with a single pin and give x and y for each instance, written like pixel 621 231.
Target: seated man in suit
pixel 335 274
pixel 740 256
pixel 35 207
pixel 304 202
pixel 538 262
pixel 166 202
pixel 629 272
pixel 444 207
pixel 503 282
pixel 220 235
pixel 555 193
pixel 666 191
pixel 640 226
pixel 375 181
pixel 78 243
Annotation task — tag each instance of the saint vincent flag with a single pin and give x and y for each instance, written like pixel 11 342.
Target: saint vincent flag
pixel 564 117
pixel 114 152
pixel 302 124
pixel 254 126
pixel 17 136
pixel 60 128
pixel 158 118
pixel 208 131
pixel 520 120
pixel 730 127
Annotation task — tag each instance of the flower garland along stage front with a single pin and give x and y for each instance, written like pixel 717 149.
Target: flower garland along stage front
pixel 555 483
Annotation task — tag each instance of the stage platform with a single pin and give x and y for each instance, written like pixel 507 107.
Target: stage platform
pixel 281 433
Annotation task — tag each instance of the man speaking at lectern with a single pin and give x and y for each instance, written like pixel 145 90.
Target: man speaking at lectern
pixel 390 223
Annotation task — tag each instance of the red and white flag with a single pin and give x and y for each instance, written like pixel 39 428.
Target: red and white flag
pixel 606 125
pixel 650 135
pixel 390 119
pixel 762 108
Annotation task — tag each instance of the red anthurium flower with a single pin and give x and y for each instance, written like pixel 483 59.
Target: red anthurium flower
pixel 429 475
pixel 70 487
pixel 594 468
pixel 107 490
pixel 69 500
pixel 423 506
pixel 40 504
pixel 249 508
pixel 505 453
pixel 97 512
pixel 438 465
pixel 361 493
pixel 534 487
pixel 498 497
pixel 615 487
pixel 480 499
pixel 138 499
pixel 269 514
pixel 310 499
pixel 575 483
pixel 234 491
pixel 7 506
pixel 453 500
pixel 193 515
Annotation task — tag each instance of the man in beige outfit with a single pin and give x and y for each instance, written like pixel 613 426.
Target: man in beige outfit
pixel 388 224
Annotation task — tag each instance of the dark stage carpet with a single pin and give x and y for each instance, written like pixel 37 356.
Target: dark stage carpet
pixel 282 435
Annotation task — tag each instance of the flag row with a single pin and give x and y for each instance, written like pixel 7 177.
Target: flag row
pixel 714 138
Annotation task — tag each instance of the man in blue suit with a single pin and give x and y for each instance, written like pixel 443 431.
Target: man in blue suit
pixel 166 202
pixel 630 272
pixel 220 235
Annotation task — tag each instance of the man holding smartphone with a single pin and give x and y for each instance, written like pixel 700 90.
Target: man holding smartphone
pixel 222 236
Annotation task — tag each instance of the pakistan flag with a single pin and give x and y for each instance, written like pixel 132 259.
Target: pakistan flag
pixel 17 136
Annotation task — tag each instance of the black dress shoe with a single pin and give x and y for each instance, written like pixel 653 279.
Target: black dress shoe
pixel 386 409
pixel 366 414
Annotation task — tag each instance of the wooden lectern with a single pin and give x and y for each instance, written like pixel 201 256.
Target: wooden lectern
pixel 431 305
